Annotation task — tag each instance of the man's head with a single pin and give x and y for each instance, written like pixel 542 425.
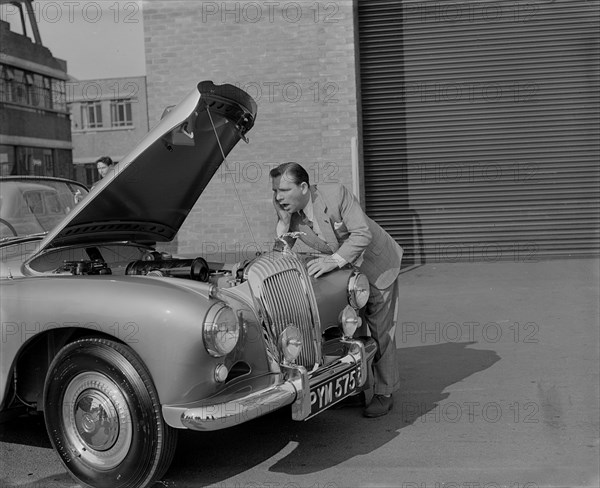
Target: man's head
pixel 103 165
pixel 291 186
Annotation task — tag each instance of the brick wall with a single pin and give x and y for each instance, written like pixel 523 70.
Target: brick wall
pixel 297 59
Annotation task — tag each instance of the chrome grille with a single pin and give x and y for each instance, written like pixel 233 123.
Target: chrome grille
pixel 282 288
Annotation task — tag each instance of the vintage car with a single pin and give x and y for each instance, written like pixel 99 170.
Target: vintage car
pixel 31 205
pixel 121 345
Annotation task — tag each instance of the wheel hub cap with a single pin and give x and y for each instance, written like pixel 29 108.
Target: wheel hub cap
pixel 96 420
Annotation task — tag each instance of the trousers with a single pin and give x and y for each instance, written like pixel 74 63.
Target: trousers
pixel 380 315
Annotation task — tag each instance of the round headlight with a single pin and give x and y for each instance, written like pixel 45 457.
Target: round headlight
pixel 221 330
pixel 358 290
pixel 290 342
pixel 350 321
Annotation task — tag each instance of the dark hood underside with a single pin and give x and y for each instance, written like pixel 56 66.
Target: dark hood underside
pixel 149 194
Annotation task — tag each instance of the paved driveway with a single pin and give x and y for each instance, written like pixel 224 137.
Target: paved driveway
pixel 500 368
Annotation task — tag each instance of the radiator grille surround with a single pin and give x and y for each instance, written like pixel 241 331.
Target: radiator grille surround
pixel 283 293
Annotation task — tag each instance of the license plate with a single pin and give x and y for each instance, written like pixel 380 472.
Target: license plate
pixel 329 392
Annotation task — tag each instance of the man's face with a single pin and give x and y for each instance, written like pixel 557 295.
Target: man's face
pixel 289 195
pixel 102 169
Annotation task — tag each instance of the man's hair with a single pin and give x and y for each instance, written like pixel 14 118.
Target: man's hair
pixel 105 160
pixel 296 173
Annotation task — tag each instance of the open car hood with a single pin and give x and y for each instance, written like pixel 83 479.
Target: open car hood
pixel 148 195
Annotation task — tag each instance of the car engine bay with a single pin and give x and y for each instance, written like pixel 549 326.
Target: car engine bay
pixel 130 260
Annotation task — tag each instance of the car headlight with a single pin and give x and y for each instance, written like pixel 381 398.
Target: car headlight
pixel 221 330
pixel 290 342
pixel 350 321
pixel 358 290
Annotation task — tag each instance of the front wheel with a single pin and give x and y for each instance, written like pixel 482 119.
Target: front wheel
pixel 103 416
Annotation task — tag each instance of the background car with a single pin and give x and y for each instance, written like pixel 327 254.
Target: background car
pixel 31 204
pixel 121 346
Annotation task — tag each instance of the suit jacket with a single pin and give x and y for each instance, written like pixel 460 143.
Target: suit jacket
pixel 348 231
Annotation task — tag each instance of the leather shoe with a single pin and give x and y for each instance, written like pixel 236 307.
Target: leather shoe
pixel 380 405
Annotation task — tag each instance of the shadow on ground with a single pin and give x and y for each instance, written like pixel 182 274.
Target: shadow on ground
pixel 298 448
pixel 334 436
pixel 20 427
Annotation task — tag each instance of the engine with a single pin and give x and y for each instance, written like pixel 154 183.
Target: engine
pixel 158 264
pixel 196 269
pixel 84 267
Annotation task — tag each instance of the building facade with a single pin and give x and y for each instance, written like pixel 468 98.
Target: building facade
pixel 469 130
pixel 35 130
pixel 108 116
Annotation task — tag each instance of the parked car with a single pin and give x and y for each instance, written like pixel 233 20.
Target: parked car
pixel 33 204
pixel 121 346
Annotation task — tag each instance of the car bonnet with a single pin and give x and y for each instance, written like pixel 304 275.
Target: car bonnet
pixel 147 196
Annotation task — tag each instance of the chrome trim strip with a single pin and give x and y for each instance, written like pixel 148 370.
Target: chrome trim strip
pixel 242 402
pixel 223 415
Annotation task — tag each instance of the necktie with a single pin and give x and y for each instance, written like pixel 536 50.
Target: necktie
pixel 304 219
pixel 313 237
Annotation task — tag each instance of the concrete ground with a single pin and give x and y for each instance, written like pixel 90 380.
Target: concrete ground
pixel 500 388
pixel 501 367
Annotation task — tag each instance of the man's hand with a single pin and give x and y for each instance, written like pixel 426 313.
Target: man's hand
pixel 281 213
pixel 322 264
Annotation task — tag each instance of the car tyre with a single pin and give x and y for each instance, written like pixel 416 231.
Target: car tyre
pixel 103 416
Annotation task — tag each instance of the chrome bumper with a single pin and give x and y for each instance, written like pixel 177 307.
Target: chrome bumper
pixel 259 396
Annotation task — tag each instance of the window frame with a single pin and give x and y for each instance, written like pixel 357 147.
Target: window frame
pixel 95 108
pixel 121 113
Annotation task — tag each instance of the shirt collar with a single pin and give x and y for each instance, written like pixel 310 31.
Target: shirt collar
pixel 309 210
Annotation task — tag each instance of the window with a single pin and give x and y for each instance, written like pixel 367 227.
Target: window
pixel 7 85
pixel 20 89
pixel 34 202
pixel 52 203
pixel 91 115
pixel 7 160
pixel 32 96
pixel 48 162
pixel 59 97
pixel 120 113
pixel 32 89
pixel 47 92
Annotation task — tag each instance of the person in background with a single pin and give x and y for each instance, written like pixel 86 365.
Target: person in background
pixel 333 223
pixel 104 164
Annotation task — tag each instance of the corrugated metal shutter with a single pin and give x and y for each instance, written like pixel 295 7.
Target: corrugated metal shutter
pixel 481 127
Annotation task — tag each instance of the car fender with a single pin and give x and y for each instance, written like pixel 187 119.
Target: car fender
pixel 161 319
